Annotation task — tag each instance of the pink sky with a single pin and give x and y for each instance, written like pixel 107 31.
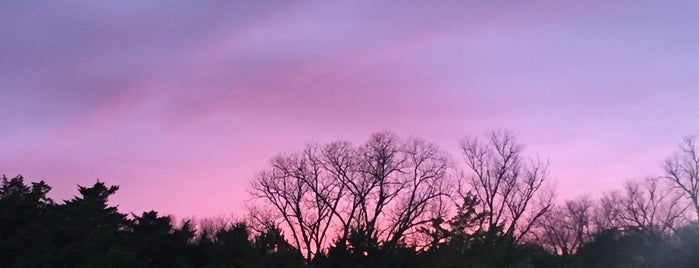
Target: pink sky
pixel 182 103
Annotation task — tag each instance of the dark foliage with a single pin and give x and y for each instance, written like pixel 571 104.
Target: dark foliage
pixel 87 232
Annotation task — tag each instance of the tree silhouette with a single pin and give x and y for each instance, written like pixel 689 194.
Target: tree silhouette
pixel 506 183
pixel 22 209
pixel 682 169
pixel 386 203
pixel 88 230
pixel 156 242
pixel 387 188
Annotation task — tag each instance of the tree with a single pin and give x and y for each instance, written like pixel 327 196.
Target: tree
pixel 506 183
pixel 22 208
pixel 614 248
pixel 687 239
pixel 385 189
pixel 156 242
pixel 649 206
pixel 88 230
pixel 644 205
pixel 301 197
pixel 424 189
pixel 566 227
pixel 276 251
pixel 682 169
pixel 607 214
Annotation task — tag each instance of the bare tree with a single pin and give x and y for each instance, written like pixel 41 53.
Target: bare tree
pixel 651 207
pixel 506 183
pixel 425 190
pixel 553 232
pixel 260 220
pixel 386 188
pixel 381 165
pixel 580 212
pixel 340 160
pixel 644 205
pixel 682 169
pixel 208 228
pixel 564 228
pixel 607 214
pixel 304 200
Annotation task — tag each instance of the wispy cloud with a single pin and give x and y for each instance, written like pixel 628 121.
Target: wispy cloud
pixel 203 92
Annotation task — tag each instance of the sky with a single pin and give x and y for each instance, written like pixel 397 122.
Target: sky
pixel 181 103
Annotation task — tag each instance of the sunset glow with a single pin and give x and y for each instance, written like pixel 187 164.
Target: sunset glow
pixel 182 104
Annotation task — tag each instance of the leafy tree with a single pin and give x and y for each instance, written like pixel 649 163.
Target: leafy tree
pixel 275 251
pixel 626 248
pixel 687 245
pixel 22 208
pixel 88 231
pixel 156 243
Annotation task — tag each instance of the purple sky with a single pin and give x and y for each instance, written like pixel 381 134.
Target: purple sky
pixel 181 103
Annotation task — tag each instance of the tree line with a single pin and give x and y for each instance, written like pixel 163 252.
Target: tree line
pixel 387 202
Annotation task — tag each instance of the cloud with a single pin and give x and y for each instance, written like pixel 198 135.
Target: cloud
pixel 171 89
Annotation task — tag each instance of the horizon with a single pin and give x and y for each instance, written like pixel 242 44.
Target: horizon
pixel 193 99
